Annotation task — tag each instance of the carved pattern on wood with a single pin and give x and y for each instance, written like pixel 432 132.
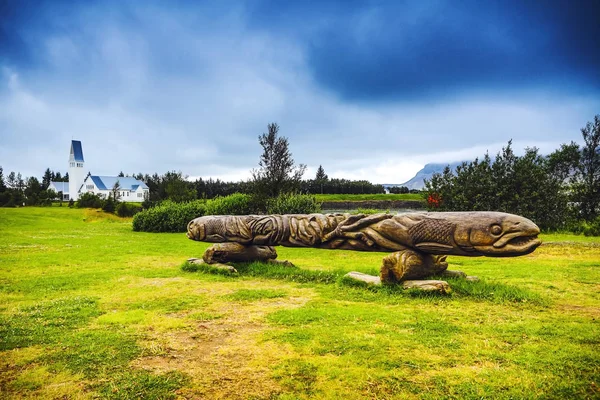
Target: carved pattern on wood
pixel 416 237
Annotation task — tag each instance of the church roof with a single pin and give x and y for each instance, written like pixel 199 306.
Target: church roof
pixel 125 182
pixel 77 150
pixel 61 186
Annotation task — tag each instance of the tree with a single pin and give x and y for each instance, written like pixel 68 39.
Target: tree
pixel 563 163
pixel 47 178
pixel 277 172
pixel 11 180
pixel 2 184
pixel 46 197
pixel 180 190
pixel 4 195
pixel 399 189
pixel 109 205
pixel 588 188
pixel 15 185
pixel 121 174
pixel 20 183
pixel 116 194
pixel 32 191
pixel 321 177
pixel 520 185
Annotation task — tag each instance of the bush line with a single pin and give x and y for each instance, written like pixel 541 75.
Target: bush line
pixel 169 216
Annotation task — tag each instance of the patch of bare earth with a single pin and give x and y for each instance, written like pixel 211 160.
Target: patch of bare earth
pixel 225 358
pixel 576 309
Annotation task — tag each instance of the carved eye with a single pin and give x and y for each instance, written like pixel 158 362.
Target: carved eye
pixel 496 229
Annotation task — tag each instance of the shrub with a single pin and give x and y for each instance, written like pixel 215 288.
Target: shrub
pixel 89 200
pixel 174 217
pixel 592 228
pixel 109 205
pixel 293 204
pixel 147 203
pixel 127 209
pixel 168 216
pixel 235 204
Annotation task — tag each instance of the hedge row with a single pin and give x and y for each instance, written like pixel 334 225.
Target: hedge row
pixel 168 216
pixel 293 204
pixel 174 217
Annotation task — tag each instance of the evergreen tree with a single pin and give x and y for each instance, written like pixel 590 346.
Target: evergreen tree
pixel 4 195
pixel 2 184
pixel 109 205
pixel 588 188
pixel 20 182
pixel 277 172
pixel 47 178
pixel 32 191
pixel 11 180
pixel 321 176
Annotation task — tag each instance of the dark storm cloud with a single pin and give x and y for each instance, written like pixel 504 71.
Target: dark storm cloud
pixel 369 90
pixel 371 50
pixel 395 50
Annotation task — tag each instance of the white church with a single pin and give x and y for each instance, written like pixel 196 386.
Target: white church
pixel 130 189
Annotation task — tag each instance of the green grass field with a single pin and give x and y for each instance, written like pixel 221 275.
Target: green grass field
pixel 90 309
pixel 368 197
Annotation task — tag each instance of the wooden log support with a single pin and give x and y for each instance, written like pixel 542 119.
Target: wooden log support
pixel 428 286
pixel 360 277
pixel 235 252
pixel 223 267
pixel 410 264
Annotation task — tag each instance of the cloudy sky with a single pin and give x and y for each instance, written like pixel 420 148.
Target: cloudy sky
pixel 369 89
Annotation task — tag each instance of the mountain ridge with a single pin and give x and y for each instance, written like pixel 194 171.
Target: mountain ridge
pixel 426 172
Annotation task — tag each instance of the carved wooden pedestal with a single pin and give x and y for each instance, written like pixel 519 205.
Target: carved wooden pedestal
pixel 235 252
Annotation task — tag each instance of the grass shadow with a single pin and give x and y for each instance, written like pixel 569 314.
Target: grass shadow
pixel 493 291
pixel 461 288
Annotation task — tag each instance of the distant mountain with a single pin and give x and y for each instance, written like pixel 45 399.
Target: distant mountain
pixel 426 173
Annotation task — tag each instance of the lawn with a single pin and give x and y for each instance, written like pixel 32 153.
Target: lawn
pixel 89 308
pixel 368 197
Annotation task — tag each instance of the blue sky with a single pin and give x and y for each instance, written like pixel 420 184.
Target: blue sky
pixel 368 89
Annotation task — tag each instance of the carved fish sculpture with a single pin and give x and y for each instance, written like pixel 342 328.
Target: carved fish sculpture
pixel 492 234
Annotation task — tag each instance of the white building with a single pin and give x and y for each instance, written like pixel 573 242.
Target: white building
pixel 59 187
pixel 76 172
pixel 129 189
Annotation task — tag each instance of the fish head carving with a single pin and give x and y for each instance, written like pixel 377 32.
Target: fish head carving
pixel 496 234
